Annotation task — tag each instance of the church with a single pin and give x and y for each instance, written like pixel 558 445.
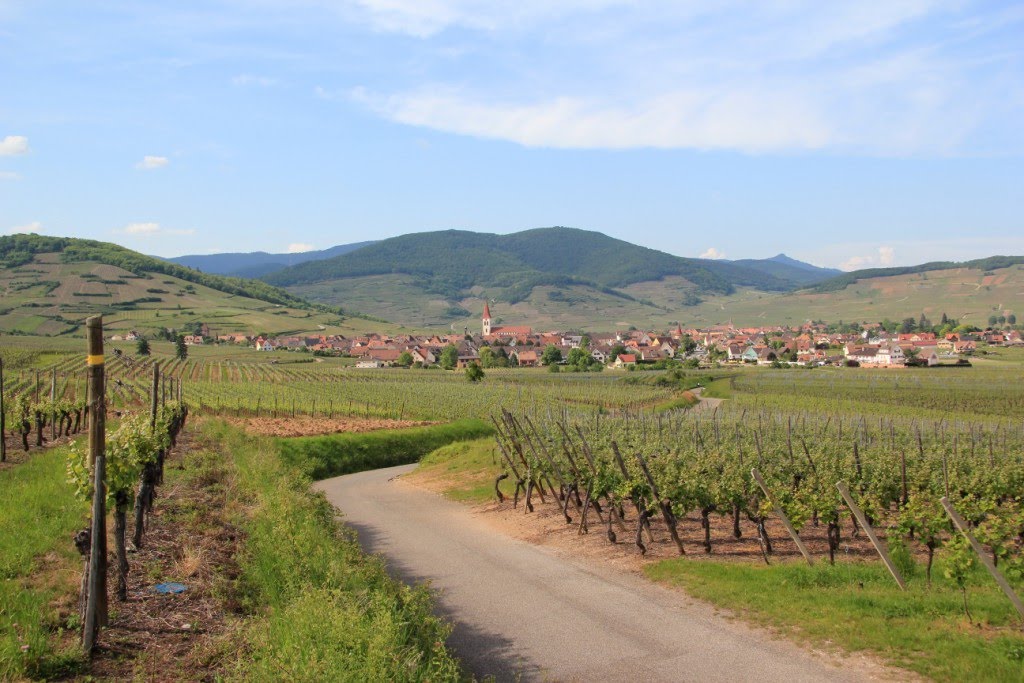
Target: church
pixel 503 331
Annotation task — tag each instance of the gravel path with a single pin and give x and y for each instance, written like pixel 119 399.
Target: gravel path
pixel 523 613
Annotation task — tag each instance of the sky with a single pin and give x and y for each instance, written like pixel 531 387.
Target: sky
pixel 847 134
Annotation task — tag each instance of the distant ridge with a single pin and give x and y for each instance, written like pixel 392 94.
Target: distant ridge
pixel 846 279
pixel 451 263
pixel 787 268
pixel 258 263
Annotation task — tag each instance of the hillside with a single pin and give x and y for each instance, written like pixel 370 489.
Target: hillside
pixel 969 294
pixel 786 268
pixel 258 263
pixel 49 285
pixel 454 264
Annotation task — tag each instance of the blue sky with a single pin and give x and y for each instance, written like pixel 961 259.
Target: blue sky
pixel 848 134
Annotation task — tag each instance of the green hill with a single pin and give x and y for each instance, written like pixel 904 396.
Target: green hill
pixel 451 263
pixel 49 285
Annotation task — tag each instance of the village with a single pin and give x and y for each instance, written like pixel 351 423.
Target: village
pixel 869 345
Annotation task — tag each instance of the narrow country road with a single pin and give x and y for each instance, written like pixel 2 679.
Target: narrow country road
pixel 520 610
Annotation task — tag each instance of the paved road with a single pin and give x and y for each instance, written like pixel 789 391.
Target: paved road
pixel 520 610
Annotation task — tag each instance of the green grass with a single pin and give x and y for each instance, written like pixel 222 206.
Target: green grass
pixel 37 518
pixel 466 468
pixel 320 457
pixel 857 607
pixel 321 609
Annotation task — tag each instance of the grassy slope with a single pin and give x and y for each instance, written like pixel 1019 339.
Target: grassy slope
pixel 859 607
pixel 968 295
pixel 322 610
pixel 26 305
pixel 38 565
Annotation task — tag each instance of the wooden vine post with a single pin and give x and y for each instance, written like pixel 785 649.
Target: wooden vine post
pixel 782 515
pixel 862 520
pixel 144 500
pixel 96 601
pixel 961 526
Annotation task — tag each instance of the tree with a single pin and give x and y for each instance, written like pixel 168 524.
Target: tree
pixel 616 351
pixel 907 326
pixel 687 344
pixel 1011 319
pixel 551 355
pixel 474 373
pixel 450 357
pixel 142 346
pixel 180 348
pixel 580 359
pixel 404 359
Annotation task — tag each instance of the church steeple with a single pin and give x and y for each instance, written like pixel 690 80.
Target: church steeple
pixel 486 319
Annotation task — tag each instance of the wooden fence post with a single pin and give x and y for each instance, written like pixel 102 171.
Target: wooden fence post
pixel 961 525
pixel 862 520
pixel 782 515
pixel 96 601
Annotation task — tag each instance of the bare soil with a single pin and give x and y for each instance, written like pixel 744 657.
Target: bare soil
pixel 305 425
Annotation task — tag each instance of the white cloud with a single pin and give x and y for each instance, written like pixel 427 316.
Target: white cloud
pixel 299 247
pixel 713 253
pixel 249 79
pixel 34 226
pixel 9 175
pixel 712 118
pixel 152 229
pixel 877 77
pixel 885 257
pixel 150 163
pixel 12 145
pixel 425 18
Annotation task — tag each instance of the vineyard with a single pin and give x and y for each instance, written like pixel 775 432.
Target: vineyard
pixel 315 389
pixel 797 466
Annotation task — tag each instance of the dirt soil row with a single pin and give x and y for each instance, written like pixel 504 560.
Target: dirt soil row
pixel 306 425
pixel 176 637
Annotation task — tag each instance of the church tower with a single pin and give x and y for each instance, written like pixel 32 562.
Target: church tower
pixel 487 319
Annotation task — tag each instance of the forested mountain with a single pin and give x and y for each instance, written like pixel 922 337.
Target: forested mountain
pixel 786 268
pixel 451 262
pixel 258 263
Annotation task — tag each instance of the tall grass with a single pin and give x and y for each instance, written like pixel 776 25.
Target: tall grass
pixel 38 515
pixel 321 457
pixel 322 609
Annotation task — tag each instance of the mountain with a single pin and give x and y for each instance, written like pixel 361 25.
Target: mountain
pixel 258 263
pixel 451 263
pixel 790 269
pixel 49 285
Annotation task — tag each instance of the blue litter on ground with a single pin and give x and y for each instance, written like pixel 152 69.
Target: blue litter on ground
pixel 170 588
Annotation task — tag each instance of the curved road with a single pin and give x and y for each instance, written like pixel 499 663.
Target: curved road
pixel 523 613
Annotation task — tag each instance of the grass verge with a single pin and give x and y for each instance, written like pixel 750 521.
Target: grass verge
pixel 463 471
pixel 857 607
pixel 320 457
pixel 39 567
pixel 322 610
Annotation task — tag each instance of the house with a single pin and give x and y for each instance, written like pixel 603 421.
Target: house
pixel 193 339
pixel 625 360
pixel 526 358
pixel 369 364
